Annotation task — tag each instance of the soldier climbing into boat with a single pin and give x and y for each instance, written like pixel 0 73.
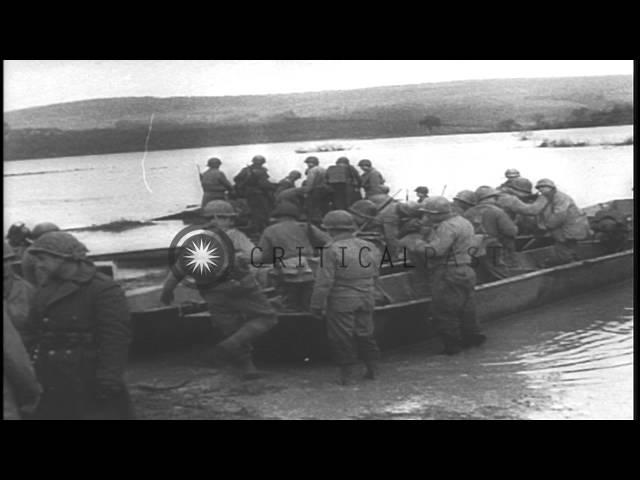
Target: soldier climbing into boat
pixel 344 293
pixel 511 174
pixel 215 185
pixel 463 201
pixel 287 182
pixel 344 181
pixel 368 227
pixel 499 233
pixel 253 184
pixel 317 192
pixel 237 305
pixel 564 221
pixel 290 248
pixel 446 250
pixel 371 179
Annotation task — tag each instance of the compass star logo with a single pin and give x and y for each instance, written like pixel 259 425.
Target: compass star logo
pixel 201 256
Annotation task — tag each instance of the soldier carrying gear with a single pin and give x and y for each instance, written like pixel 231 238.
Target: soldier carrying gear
pixel 81 334
pixel 564 220
pixel 287 182
pixel 464 200
pixel 253 183
pixel 42 228
pixel 364 214
pixel 344 291
pixel 237 305
pixel 371 179
pixel 498 232
pixel 611 229
pixel 215 185
pixel 447 248
pixel 344 181
pixel 289 248
pixel 317 192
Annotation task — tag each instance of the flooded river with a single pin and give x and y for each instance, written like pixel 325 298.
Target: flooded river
pixel 569 360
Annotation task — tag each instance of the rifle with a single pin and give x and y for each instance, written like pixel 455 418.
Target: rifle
pixel 378 210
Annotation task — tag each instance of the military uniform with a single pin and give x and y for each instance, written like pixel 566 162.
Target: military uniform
pixel 452 281
pixel 214 185
pixel 347 294
pixel 294 243
pixel 318 194
pixel 237 306
pixel 258 191
pixel 18 294
pixel 81 336
pixel 567 224
pixel 499 243
pixel 372 182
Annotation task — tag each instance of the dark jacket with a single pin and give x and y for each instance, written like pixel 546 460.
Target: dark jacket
pixel 215 181
pixel 491 220
pixel 82 332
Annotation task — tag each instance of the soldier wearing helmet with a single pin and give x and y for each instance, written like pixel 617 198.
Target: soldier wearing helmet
pixel 344 181
pixel 253 184
pixel 448 248
pixel 498 233
pixel 566 223
pixel 364 213
pixel 237 305
pixel 371 179
pixel 317 192
pixel 80 334
pixel 511 174
pixel 422 193
pixel 287 182
pixel 28 267
pixel 288 248
pixel 344 291
pixel 463 201
pixel 215 185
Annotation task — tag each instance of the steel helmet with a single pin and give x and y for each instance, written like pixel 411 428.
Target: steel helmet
pixel 424 190
pixel 18 233
pixel 258 160
pixel 60 244
pixel 435 205
pixel 295 174
pixel 312 160
pixel 486 192
pixel 338 220
pixel 545 182
pixel 466 196
pixel 42 228
pixel 522 184
pixel 286 209
pixel 364 163
pixel 364 209
pixel 512 173
pixel 214 162
pixel 9 252
pixel 218 208
pixel 342 161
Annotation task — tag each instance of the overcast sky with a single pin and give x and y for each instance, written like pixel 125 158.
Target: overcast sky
pixel 29 83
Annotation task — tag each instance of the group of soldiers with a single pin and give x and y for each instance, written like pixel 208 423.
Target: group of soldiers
pixel 67 326
pixel 322 190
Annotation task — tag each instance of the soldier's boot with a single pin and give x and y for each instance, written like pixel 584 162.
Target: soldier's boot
pixel 373 370
pixel 347 375
pixel 248 369
pixel 452 345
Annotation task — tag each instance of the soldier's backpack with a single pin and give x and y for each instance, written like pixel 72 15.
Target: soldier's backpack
pixel 337 174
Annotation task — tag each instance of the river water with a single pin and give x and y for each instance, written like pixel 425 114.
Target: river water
pixel 572 359
pixel 93 190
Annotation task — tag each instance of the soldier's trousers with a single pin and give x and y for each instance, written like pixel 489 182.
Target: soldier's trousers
pixel 453 303
pixel 563 252
pixel 240 317
pixel 350 334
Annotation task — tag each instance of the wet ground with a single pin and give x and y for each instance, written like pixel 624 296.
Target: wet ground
pixel 569 360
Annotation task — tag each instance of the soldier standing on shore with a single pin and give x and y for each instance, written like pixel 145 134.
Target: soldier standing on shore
pixel 344 291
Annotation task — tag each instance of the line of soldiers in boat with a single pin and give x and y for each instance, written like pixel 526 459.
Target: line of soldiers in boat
pixel 67 326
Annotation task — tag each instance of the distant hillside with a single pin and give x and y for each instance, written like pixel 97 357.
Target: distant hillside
pixel 120 124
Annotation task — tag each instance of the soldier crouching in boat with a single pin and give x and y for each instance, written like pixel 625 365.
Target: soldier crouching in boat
pixel 237 305
pixel 447 248
pixel 80 335
pixel 344 290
